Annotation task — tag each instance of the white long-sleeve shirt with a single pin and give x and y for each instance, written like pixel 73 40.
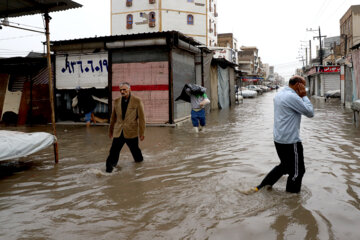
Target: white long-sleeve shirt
pixel 288 108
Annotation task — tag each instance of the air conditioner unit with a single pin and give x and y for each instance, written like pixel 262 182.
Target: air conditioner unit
pixel 151 24
pixel 152 1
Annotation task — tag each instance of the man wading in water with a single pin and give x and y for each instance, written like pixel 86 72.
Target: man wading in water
pixel 127 125
pixel 289 105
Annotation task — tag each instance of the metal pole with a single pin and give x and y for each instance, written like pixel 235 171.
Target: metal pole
pixel 202 68
pixel 320 53
pixel 51 89
pixel 310 53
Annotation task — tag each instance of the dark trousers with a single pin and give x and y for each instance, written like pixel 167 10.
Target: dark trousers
pixel 117 144
pixel 292 163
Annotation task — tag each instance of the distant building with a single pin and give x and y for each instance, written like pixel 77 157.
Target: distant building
pixel 332 50
pixel 350 29
pixel 194 18
pixel 227 40
pixel 248 60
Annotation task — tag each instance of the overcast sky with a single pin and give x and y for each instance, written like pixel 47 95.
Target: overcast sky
pixel 275 27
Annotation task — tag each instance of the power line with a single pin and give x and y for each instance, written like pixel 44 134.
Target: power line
pixel 25 25
pixel 320 11
pixel 287 63
pixel 23 36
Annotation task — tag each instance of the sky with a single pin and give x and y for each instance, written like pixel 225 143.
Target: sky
pixel 278 28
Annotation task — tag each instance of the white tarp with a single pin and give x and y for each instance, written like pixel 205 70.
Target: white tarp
pixel 223 87
pixel 82 70
pixel 15 144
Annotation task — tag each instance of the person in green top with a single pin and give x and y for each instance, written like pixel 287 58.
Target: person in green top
pixel 198 102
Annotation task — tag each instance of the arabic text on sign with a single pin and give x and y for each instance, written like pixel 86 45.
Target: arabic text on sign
pixel 88 66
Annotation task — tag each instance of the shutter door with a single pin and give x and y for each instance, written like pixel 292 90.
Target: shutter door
pixel 331 82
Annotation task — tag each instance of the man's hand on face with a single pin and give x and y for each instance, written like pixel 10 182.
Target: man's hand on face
pixel 300 89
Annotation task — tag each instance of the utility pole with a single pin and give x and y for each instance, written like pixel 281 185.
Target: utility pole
pixel 319 37
pixel 301 59
pixel 306 52
pixel 320 53
pixel 310 53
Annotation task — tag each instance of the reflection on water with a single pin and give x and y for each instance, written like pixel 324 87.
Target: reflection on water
pixel 189 186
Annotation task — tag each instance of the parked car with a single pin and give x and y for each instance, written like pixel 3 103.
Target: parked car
pixel 246 93
pixel 264 88
pixel 255 88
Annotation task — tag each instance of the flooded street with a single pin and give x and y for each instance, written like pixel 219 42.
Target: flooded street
pixel 189 185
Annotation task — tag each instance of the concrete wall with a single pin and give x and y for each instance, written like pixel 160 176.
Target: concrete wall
pixel 146 69
pixel 232 86
pixel 348 87
pixel 170 15
pixel 140 23
pixel 356 25
pixel 176 20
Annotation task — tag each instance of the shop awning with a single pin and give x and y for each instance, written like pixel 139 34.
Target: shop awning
pixel 18 8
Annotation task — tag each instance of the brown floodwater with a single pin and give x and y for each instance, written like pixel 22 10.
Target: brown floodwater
pixel 189 185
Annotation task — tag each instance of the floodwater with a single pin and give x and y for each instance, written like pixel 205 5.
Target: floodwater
pixel 189 186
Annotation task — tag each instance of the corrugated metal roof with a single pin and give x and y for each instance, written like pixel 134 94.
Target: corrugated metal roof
pixel 128 37
pixel 17 8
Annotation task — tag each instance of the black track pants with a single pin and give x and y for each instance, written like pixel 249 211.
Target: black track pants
pixel 292 163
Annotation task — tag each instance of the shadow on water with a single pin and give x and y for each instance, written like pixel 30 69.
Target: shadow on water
pixel 9 168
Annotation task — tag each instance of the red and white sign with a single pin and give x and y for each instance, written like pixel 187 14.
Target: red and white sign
pixel 333 69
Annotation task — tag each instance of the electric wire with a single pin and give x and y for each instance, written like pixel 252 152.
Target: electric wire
pixel 25 25
pixel 23 36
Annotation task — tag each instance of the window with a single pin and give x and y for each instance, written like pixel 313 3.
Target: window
pixel 210 10
pixel 129 21
pixel 190 19
pixel 128 3
pixel 215 29
pixel 152 19
pixel 210 29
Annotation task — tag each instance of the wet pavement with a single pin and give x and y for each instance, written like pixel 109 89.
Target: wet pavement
pixel 189 186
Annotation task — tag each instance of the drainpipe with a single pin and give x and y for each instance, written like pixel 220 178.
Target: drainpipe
pixel 202 68
pixel 170 43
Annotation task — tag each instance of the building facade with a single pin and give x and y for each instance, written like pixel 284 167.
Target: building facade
pixel 227 40
pixel 194 18
pixel 157 65
pixel 350 29
pixel 248 60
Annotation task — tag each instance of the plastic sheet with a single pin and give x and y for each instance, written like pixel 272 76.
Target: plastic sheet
pixel 355 105
pixel 15 144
